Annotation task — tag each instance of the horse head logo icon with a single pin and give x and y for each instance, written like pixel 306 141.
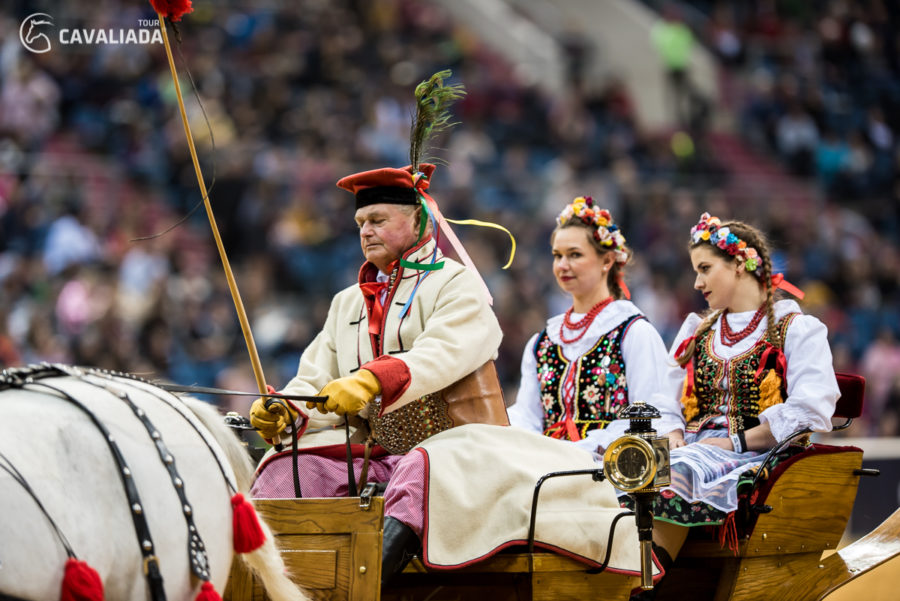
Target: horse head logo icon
pixel 30 34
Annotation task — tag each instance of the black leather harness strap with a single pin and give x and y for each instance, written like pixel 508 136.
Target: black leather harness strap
pixel 196 549
pixel 222 391
pixel 9 467
pixel 167 399
pixel 117 385
pixel 33 376
pixel 141 528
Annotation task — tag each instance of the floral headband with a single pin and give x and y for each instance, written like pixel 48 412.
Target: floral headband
pixel 605 231
pixel 709 229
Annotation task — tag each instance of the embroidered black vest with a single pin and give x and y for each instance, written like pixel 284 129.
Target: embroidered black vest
pixel 710 369
pixel 599 380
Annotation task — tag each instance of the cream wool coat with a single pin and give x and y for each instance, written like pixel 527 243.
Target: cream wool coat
pixel 448 332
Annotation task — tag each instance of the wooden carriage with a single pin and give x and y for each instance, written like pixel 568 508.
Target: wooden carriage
pixel 794 515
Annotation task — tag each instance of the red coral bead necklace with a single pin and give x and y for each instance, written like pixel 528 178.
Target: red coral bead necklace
pixel 582 324
pixel 729 337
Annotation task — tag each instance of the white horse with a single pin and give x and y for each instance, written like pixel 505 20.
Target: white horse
pixel 58 451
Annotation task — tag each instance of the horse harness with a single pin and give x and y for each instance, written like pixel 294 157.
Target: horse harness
pixel 32 376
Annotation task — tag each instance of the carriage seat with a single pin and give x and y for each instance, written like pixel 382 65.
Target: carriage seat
pixel 797 508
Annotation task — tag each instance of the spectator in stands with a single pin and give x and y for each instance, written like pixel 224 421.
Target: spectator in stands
pixel 674 43
pixel 797 137
pixel 293 77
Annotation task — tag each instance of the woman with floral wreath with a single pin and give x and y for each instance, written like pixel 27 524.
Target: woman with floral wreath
pixel 749 372
pixel 592 360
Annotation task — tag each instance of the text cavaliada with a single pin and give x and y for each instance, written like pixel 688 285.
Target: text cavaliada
pixel 110 36
pixel 36 33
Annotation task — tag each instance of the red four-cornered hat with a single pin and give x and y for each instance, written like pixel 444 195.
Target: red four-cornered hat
pixel 388 185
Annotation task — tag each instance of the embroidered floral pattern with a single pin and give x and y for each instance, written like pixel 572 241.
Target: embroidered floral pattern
pixel 591 394
pixel 601 388
pixel 547 401
pixel 742 385
pixel 670 507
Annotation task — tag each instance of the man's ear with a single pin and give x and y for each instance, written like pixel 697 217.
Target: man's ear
pixel 421 214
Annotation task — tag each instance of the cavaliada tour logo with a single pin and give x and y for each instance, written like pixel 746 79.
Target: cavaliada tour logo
pixel 39 34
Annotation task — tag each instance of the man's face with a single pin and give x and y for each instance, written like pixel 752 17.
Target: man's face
pixel 386 231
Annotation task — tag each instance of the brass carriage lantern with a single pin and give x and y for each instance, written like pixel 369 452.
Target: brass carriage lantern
pixel 638 463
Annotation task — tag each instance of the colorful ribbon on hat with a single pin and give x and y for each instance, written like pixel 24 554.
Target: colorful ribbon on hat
pixel 428 267
pixel 496 226
pixel 420 182
pixel 455 243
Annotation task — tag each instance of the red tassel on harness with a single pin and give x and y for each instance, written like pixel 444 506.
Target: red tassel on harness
pixel 208 593
pixel 248 534
pixel 172 9
pixel 81 582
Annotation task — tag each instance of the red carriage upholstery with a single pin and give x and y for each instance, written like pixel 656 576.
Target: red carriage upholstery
pixel 853 391
pixel 849 406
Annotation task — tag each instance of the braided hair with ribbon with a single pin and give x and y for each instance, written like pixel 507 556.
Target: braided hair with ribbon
pixel 740 242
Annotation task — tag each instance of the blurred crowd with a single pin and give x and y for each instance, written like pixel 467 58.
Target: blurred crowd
pixel 818 84
pixel 284 99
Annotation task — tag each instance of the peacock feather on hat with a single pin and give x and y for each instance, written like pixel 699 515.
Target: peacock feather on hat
pixel 433 100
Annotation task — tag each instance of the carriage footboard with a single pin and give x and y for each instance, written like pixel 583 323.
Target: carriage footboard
pixel 332 548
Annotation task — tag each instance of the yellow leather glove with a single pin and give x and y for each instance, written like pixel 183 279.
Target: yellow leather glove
pixel 270 422
pixel 348 395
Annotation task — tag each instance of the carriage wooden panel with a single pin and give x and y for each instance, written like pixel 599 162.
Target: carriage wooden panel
pixel 811 503
pixel 511 576
pixel 332 547
pixel 327 541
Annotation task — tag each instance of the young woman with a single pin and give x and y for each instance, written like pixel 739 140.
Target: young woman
pixel 750 371
pixel 600 354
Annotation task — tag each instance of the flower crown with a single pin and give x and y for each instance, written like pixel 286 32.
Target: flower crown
pixel 605 231
pixel 709 229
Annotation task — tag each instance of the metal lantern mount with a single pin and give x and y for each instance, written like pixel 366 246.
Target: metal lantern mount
pixel 638 463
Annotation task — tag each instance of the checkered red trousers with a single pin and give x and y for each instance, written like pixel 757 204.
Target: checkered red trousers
pixel 321 476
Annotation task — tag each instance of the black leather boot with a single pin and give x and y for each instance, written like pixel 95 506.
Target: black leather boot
pixel 398 546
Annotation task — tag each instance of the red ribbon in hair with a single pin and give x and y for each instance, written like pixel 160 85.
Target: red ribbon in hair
pixel 624 288
pixel 780 360
pixel 173 10
pixel 689 366
pixel 778 281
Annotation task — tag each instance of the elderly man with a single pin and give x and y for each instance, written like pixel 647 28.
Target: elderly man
pixel 397 349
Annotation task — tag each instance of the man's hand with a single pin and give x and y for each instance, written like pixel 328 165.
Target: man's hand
pixel 270 422
pixel 348 395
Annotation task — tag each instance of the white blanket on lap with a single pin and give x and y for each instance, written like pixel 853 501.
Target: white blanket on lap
pixel 480 485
